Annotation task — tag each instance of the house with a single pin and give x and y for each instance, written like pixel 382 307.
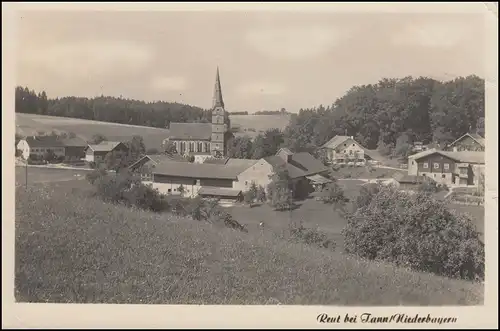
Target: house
pixel 343 150
pixel 300 166
pixel 450 168
pixel 72 148
pixel 145 165
pixel 471 142
pixel 228 178
pixel 98 152
pixel 405 182
pixel 168 177
pixel 203 140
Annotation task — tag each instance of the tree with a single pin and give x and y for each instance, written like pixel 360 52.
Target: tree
pixel 181 190
pixel 136 147
pixel 251 195
pixel 240 148
pixel 333 194
pixel 415 231
pixel 261 194
pixel 49 156
pixel 280 189
pixel 169 147
pixel 267 144
pixel 97 139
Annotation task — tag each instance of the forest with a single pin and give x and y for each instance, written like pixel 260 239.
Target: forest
pixel 388 116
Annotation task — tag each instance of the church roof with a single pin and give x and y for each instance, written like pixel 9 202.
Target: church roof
pixel 190 131
pixel 217 100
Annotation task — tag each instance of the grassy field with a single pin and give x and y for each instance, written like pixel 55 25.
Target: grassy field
pixel 259 123
pixel 82 250
pixel 30 124
pixel 364 173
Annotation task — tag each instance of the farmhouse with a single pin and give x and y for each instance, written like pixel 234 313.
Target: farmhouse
pixel 203 140
pixel 145 165
pixel 344 150
pixel 405 182
pixel 70 148
pixel 229 177
pixel 450 168
pixel 471 142
pixel 98 152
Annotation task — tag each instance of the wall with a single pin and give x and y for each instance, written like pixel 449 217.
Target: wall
pixel 217 182
pixel 259 173
pixel 190 191
pixel 40 151
pixel 75 151
pixel 466 144
pixel 199 146
pixel 348 148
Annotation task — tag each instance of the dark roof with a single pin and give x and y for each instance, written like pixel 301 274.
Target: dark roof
pixel 301 164
pixel 336 141
pixel 465 156
pixel 53 141
pixel 190 131
pixel 214 160
pixel 160 158
pixel 219 191
pixel 480 140
pixel 105 146
pixel 197 170
pixel 408 179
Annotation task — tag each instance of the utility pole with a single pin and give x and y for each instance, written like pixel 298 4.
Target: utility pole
pixel 26 173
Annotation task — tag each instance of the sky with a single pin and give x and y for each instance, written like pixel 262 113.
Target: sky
pixel 267 60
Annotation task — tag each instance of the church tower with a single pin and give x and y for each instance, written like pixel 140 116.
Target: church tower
pixel 219 128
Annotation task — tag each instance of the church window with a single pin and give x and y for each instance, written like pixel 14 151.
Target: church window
pixel 199 147
pixel 191 147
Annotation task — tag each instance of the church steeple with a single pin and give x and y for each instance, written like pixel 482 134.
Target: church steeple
pixel 217 100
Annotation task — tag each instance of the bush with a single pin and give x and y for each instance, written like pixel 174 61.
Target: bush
pixel 311 237
pixel 428 185
pixel 415 231
pixel 19 152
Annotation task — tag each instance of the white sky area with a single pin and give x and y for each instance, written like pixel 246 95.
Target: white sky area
pixel 267 60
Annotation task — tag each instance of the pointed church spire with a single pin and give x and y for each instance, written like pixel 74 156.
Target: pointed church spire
pixel 217 100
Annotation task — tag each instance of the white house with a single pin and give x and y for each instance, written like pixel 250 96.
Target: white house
pixel 344 150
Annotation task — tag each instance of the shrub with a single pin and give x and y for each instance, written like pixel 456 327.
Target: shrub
pixel 428 185
pixel 415 231
pixel 19 152
pixel 311 237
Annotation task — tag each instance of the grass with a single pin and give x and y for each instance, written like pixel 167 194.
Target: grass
pixel 47 175
pixel 29 124
pixel 78 249
pixel 364 173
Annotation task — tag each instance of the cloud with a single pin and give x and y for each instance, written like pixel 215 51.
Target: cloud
pixel 169 83
pixel 260 88
pixel 294 42
pixel 436 34
pixel 90 58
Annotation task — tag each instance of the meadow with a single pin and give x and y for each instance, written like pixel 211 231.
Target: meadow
pixel 30 124
pixel 74 248
pixel 252 125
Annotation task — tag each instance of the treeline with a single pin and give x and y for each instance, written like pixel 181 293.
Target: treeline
pixel 392 112
pixel 271 112
pixel 239 113
pixel 110 109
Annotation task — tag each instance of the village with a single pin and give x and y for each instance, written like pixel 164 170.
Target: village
pixel 197 163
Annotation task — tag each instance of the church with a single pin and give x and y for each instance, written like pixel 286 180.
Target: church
pixel 204 140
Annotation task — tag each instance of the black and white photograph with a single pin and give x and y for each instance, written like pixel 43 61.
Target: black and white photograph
pixel 240 157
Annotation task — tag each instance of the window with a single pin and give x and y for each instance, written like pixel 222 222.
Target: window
pixel 426 165
pixel 436 165
pixel 443 176
pixel 350 152
pixel 246 182
pixel 169 190
pixel 423 175
pixel 353 145
pixel 412 162
pixel 345 145
pixel 446 166
pixel 434 175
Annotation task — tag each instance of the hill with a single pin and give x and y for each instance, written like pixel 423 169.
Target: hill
pixel 30 124
pixel 252 125
pixel 84 250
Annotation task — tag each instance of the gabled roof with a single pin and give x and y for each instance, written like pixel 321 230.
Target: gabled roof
pixel 54 141
pixel 218 191
pixel 190 131
pixel 408 179
pixel 160 158
pixel 336 141
pixel 300 165
pixel 465 157
pixel 198 170
pixel 105 146
pixel 480 140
